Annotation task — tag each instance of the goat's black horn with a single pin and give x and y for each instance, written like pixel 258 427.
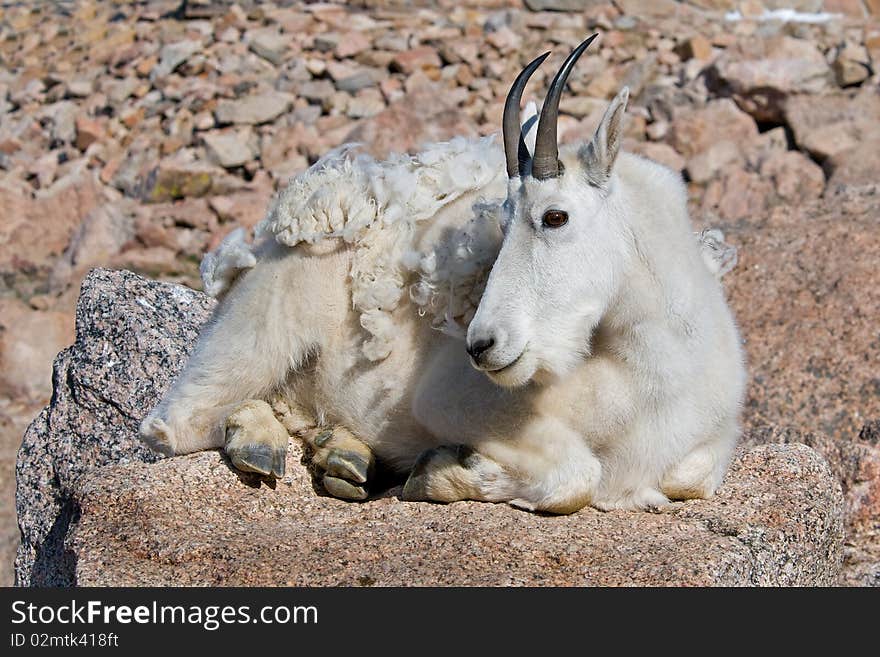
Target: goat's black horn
pixel 514 146
pixel 545 163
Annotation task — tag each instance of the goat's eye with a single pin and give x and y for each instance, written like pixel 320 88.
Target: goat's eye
pixel 555 218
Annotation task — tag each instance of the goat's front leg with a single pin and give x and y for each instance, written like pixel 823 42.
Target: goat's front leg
pixel 242 357
pixel 545 467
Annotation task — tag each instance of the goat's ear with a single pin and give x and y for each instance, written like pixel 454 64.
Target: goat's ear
pixel 599 155
pixel 530 125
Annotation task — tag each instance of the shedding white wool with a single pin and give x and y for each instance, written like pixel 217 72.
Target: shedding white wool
pixel 221 267
pixel 329 199
pixel 376 206
pixel 453 276
pixel 345 192
pixel 719 256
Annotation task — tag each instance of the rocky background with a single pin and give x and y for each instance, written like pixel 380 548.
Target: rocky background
pixel 136 135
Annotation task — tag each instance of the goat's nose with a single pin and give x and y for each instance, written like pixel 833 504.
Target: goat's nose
pixel 476 348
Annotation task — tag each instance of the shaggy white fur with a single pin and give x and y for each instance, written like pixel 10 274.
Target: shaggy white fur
pixel 375 206
pixel 452 276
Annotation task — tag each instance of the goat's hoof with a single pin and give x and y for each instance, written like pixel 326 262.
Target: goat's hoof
pixel 255 440
pixel 344 462
pixel 348 465
pixel 415 490
pixel 344 490
pixel 262 459
pixel 422 483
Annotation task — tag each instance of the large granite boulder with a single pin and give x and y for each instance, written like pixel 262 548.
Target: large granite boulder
pixel 132 337
pixel 95 506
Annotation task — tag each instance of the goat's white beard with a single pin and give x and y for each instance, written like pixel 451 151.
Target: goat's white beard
pixel 545 364
pixel 516 375
pixel 541 366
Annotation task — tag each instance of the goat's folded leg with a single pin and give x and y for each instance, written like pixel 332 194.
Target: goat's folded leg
pixel 546 467
pixel 451 473
pixel 255 440
pixel 344 463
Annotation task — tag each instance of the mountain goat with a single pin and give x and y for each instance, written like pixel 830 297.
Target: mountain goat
pixel 552 338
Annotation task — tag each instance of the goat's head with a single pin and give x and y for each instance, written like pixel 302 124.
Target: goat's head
pixel 563 244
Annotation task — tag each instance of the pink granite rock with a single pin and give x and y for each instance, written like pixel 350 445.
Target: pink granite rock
pixel 95 509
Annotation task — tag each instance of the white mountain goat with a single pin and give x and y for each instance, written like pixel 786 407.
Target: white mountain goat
pixel 596 363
